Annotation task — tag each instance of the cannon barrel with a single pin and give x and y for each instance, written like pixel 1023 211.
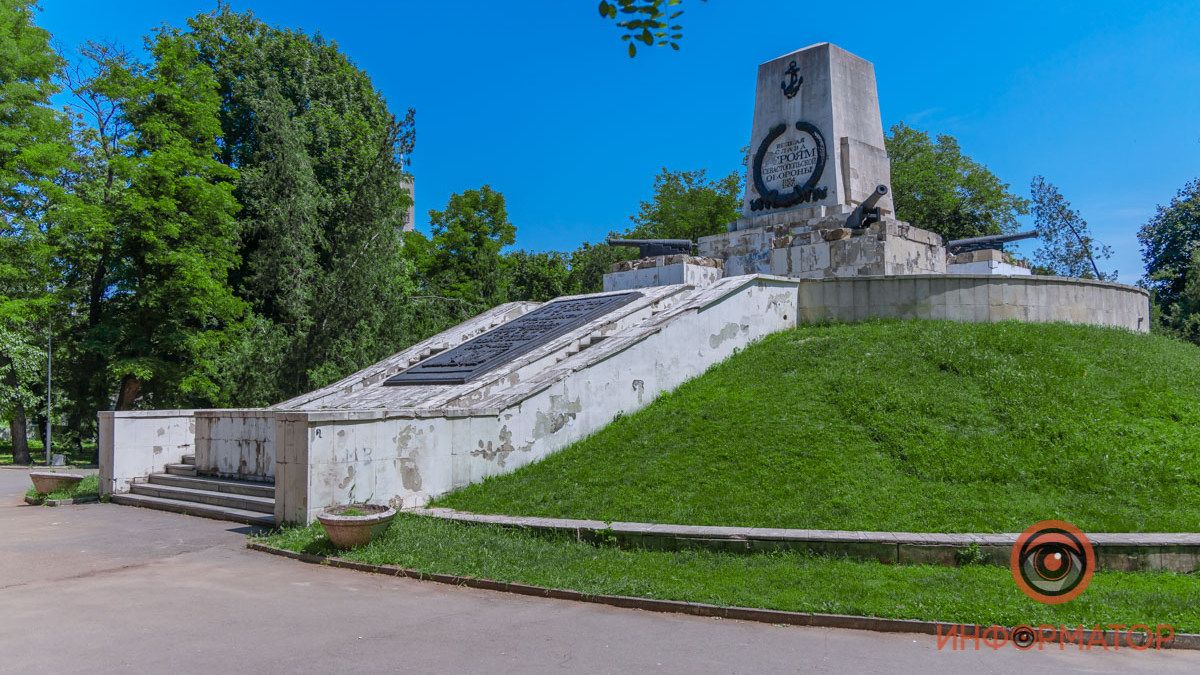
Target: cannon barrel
pixel 867 212
pixel 990 241
pixel 649 248
pixel 878 193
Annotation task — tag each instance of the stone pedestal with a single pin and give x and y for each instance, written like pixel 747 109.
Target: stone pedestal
pixel 987 261
pixel 825 248
pixel 663 270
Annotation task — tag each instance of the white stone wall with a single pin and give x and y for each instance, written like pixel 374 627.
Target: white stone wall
pixel 988 267
pixel 236 444
pixel 978 298
pixel 661 275
pixel 137 443
pixel 332 457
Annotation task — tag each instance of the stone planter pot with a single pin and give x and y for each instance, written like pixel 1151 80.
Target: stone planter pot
pixel 350 531
pixel 46 482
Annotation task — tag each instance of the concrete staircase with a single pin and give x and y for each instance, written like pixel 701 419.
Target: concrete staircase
pixel 182 491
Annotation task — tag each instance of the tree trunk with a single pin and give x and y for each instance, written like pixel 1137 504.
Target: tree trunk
pixel 131 388
pixel 20 443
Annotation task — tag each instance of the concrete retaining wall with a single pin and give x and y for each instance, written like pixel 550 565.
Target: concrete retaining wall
pixel 977 298
pixel 1126 552
pixel 137 443
pixel 236 444
pixel 333 457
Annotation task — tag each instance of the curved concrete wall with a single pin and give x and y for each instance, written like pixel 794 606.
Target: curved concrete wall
pixel 979 298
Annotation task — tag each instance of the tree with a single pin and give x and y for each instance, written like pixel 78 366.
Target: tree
pixel 936 187
pixel 165 306
pixel 324 192
pixel 1170 242
pixel 1068 248
pixel 686 205
pixel 464 260
pixel 34 151
pixel 538 276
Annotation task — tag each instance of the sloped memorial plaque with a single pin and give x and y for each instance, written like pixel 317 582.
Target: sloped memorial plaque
pixel 502 344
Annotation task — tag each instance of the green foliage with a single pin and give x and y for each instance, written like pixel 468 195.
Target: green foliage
pixel 590 262
pixel 912 426
pixel 975 594
pixel 936 187
pixel 1068 248
pixel 538 276
pixel 1170 245
pixel 647 21
pixel 168 301
pixel 464 258
pixel 324 195
pixel 88 487
pixel 34 151
pixel 686 205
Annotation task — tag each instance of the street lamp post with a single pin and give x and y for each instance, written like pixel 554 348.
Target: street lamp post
pixel 49 365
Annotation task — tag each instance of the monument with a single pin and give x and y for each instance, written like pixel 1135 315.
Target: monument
pixel 818 240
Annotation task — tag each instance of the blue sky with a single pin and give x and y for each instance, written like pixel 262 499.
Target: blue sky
pixel 539 100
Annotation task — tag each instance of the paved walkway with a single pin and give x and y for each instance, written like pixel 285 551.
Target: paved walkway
pixel 105 588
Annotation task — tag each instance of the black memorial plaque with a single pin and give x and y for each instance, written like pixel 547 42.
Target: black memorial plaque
pixel 508 341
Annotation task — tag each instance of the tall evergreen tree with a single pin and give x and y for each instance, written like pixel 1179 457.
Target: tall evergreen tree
pixel 34 150
pixel 324 193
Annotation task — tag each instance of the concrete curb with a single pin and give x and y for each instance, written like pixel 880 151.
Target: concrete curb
pixel 1088 638
pixel 1124 552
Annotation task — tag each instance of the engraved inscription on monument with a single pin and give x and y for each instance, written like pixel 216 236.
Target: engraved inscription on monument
pixel 788 165
pixel 503 344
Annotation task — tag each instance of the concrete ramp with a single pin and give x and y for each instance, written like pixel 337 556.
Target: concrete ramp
pixel 363 439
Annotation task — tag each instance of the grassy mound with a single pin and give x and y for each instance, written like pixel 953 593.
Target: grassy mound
pixel 918 426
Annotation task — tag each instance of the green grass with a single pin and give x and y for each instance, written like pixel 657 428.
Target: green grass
pixel 918 426
pixel 88 487
pixel 38 455
pixel 971 594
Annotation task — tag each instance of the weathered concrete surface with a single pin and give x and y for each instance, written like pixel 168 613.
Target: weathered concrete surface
pixel 81 593
pixel 977 298
pixel 820 248
pixel 663 270
pixel 404 445
pixel 836 93
pixel 137 443
pixel 237 444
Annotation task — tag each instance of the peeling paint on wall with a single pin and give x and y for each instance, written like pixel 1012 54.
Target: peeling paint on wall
pixel 727 333
pixel 561 413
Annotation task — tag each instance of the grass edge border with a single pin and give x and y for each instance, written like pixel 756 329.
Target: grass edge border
pixel 1190 641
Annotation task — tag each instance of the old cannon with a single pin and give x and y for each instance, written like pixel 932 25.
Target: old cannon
pixel 995 241
pixel 649 248
pixel 867 212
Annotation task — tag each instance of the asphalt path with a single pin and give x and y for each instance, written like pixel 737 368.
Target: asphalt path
pixel 106 588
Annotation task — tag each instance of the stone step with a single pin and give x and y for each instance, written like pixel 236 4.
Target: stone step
pixel 189 459
pixel 237 487
pixel 195 509
pixel 181 469
pixel 233 501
